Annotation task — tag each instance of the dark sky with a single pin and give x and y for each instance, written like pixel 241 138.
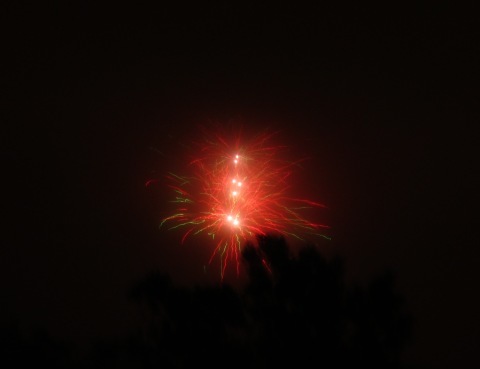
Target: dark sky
pixel 99 99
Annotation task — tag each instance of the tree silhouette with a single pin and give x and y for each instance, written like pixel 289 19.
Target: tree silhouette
pixel 294 310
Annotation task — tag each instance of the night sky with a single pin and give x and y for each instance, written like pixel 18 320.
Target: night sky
pixel 100 99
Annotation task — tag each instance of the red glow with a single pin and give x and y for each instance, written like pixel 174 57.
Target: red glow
pixel 238 189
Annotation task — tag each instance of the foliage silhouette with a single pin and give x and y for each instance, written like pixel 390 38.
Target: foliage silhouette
pixel 294 310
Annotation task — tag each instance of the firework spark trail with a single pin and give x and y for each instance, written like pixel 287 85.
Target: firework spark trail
pixel 236 193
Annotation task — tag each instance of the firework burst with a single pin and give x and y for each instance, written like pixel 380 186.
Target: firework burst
pixel 238 189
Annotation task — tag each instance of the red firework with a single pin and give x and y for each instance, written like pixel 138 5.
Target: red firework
pixel 238 190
